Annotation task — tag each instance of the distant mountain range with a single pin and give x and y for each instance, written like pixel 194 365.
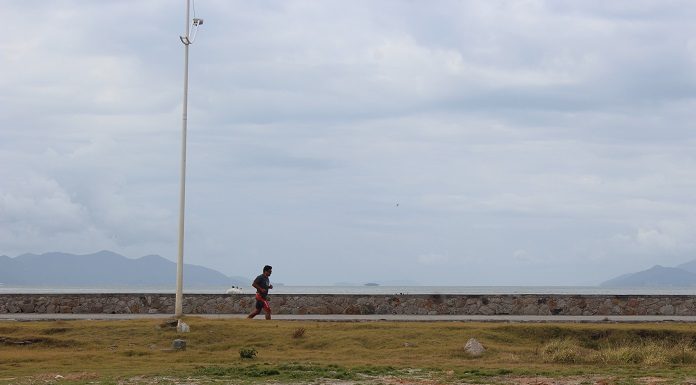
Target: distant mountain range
pixel 107 269
pixel 680 276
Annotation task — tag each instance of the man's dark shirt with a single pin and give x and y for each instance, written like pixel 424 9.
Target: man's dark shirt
pixel 263 282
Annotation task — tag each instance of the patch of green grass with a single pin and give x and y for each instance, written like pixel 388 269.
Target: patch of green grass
pixel 280 372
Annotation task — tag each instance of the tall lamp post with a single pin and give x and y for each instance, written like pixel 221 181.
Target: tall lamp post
pixel 187 40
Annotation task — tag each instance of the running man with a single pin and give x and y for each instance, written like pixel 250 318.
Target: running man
pixel 262 285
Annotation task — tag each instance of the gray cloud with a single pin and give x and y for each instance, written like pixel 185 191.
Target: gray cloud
pixel 525 143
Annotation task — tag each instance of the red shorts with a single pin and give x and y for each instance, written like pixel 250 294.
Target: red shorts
pixel 262 303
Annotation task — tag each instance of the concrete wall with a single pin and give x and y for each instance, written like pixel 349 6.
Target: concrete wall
pixel 527 304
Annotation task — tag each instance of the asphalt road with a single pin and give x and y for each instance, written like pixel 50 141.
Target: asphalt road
pixel 355 318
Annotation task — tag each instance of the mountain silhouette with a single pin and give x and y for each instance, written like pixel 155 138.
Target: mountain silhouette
pixel 656 276
pixel 688 266
pixel 106 269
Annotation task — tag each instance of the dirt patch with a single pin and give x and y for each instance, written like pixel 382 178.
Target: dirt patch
pixel 407 381
pixel 44 341
pixel 67 376
pixel 652 380
pixel 555 381
pixel 518 380
pixel 576 380
pixel 52 378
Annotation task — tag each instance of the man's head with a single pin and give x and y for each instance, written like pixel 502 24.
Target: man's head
pixel 267 270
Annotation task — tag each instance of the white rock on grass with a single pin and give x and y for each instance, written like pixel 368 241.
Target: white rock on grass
pixel 473 347
pixel 182 327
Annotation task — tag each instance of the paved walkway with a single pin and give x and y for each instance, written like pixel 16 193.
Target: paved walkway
pixel 350 318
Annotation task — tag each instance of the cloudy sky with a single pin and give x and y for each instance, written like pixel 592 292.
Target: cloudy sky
pixel 447 143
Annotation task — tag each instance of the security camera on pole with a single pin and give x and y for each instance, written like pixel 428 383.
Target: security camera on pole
pixel 186 40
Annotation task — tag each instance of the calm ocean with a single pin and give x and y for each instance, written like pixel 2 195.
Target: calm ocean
pixel 386 290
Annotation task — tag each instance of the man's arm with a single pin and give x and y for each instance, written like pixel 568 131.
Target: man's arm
pixel 259 288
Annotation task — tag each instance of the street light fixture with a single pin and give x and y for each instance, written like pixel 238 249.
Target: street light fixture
pixel 186 40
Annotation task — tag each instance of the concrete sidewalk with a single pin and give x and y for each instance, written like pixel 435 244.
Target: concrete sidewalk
pixel 356 318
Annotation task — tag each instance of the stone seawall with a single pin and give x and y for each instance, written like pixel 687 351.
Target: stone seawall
pixel 422 304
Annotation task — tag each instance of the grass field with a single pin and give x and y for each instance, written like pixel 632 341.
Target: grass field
pixel 139 352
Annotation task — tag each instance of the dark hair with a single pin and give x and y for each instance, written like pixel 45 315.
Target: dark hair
pixel 267 268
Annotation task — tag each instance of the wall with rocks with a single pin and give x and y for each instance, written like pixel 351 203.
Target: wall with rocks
pixel 527 304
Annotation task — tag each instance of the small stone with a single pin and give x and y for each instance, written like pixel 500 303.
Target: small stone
pixel 179 344
pixel 182 327
pixel 474 348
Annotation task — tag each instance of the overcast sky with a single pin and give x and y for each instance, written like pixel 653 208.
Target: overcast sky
pixel 446 143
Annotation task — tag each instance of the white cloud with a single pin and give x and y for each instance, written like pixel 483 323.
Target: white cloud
pixel 665 236
pixel 40 203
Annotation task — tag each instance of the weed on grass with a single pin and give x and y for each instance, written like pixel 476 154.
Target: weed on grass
pixel 562 351
pixel 51 331
pixel 631 352
pixel 135 353
pixel 299 333
pixel 247 353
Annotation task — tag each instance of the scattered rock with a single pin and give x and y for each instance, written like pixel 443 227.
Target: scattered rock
pixel 179 344
pixel 474 348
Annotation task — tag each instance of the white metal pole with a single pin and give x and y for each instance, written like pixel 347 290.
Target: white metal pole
pixel 178 307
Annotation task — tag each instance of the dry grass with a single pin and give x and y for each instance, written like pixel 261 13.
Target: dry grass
pixel 647 352
pixel 563 351
pixel 116 349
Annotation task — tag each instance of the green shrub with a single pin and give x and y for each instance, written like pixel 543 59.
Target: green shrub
pixel 247 353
